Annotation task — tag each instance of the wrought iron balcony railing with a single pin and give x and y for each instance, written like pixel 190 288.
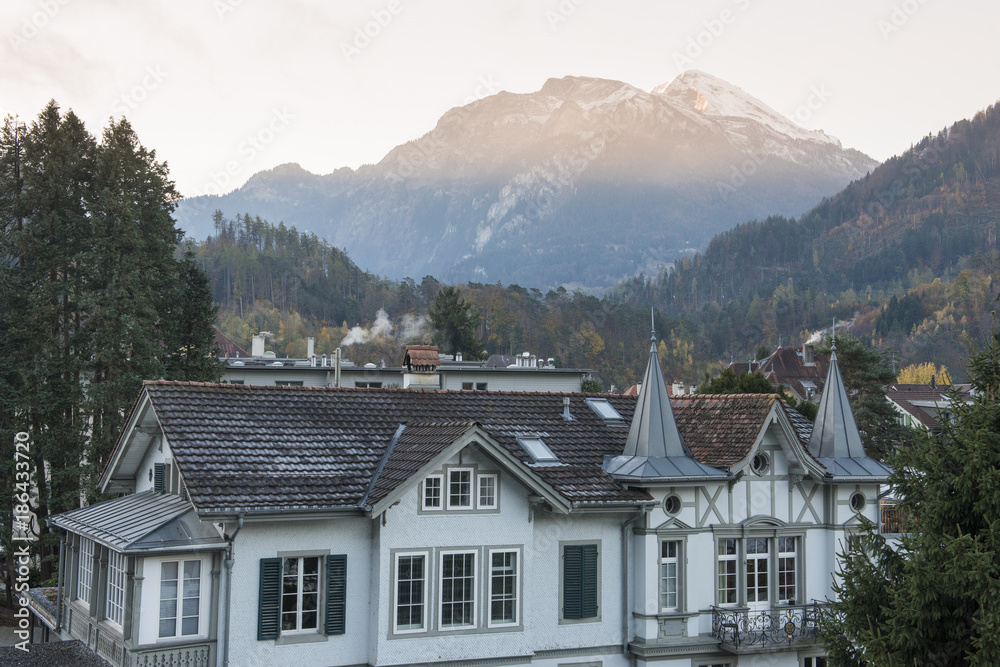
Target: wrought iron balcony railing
pixel 744 628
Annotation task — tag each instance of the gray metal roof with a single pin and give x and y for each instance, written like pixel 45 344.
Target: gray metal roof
pixel 835 434
pixel 654 449
pixel 141 522
pixel 836 441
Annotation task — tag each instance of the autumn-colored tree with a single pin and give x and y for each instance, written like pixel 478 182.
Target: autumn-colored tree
pixel 923 373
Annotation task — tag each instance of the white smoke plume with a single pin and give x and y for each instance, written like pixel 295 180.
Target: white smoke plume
pixel 409 328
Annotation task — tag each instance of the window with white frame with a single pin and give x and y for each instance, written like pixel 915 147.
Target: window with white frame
pixel 458 590
pixel 487 498
pixel 180 598
pixel 728 578
pixel 300 594
pixel 431 499
pixel 786 569
pixel 114 608
pixel 504 586
pixel 85 571
pixel 460 488
pixel 670 575
pixel 411 593
pixel 814 661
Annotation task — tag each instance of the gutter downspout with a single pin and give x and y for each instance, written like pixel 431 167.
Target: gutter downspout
pixel 626 527
pixel 59 582
pixel 229 587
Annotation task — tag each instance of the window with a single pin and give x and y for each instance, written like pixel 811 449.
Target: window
pixel 180 597
pixel 85 572
pixel 858 502
pixel 458 590
pixel 300 594
pixel 579 581
pixel 760 463
pixel 727 577
pixel 114 607
pixel 480 386
pixel 460 489
pixel 669 575
pixel 814 661
pixel 288 383
pixel 757 569
pixel 368 385
pixel 672 505
pixel 604 409
pixel 432 493
pixel 786 569
pixel 296 590
pixel 536 448
pixel 487 499
pixel 411 593
pixel 504 586
pixel 467 386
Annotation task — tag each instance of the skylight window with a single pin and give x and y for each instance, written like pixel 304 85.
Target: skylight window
pixel 604 409
pixel 536 449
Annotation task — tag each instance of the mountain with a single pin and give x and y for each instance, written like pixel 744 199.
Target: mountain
pixel 586 181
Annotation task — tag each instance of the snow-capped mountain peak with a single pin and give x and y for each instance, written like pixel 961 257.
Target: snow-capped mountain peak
pixel 712 96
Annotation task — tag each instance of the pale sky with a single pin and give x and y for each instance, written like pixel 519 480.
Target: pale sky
pixel 245 85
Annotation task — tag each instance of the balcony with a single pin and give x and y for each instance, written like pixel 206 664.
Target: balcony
pixel 892 519
pixel 740 629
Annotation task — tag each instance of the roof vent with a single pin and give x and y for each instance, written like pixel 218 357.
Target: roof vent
pixel 566 414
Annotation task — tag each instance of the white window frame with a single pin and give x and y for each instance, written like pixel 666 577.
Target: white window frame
pixel 114 604
pixel 425 557
pixel 299 594
pixel 85 571
pixel 471 492
pixel 783 556
pixel 490 623
pixel 665 562
pixel 492 477
pixel 440 494
pixel 721 558
pixel 474 602
pixel 179 615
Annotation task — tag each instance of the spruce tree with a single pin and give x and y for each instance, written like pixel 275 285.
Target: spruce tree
pixel 454 324
pixel 934 599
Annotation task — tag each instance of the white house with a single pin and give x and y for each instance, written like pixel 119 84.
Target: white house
pixel 323 526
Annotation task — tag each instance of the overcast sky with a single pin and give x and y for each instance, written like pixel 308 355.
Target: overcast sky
pixel 248 84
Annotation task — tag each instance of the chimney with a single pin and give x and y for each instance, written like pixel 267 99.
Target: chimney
pixel 324 361
pixel 807 355
pixel 310 347
pixel 257 347
pixel 458 356
pixel 566 415
pixel 336 371
pixel 677 389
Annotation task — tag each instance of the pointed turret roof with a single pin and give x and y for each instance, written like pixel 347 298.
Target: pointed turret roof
pixel 836 441
pixel 654 450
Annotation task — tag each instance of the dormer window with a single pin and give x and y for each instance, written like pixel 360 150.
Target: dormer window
pixel 604 410
pixel 537 449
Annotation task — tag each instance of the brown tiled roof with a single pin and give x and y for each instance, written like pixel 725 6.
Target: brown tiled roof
pixel 263 447
pixel 720 429
pixel 421 355
pixel 227 348
pixel 785 367
pixel 919 400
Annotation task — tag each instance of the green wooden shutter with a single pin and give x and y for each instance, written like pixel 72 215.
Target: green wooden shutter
pixel 158 475
pixel 336 594
pixel 269 612
pixel 579 581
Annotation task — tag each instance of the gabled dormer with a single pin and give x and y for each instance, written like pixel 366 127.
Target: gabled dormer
pixel 654 451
